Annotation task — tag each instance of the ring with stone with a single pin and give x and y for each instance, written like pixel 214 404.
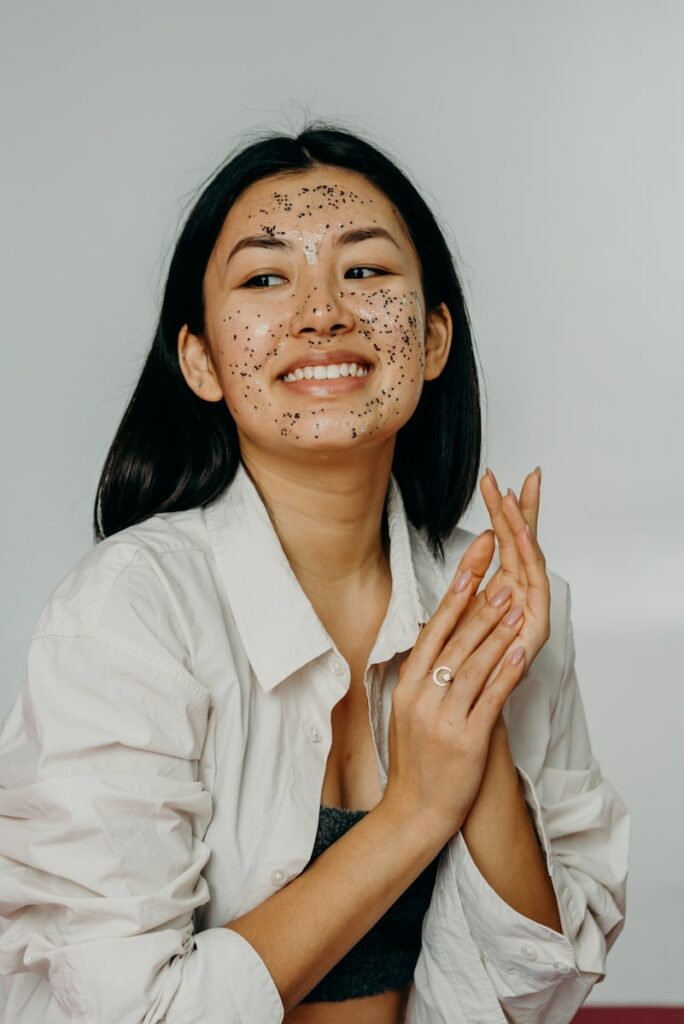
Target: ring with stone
pixel 449 678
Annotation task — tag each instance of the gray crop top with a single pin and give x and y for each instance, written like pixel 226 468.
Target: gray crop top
pixel 385 957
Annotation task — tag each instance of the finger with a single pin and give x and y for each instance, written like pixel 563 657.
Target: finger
pixel 534 564
pixel 530 554
pixel 478 557
pixel 466 639
pixel 491 699
pixel 437 629
pixel 508 551
pixel 476 560
pixel 470 677
pixel 529 498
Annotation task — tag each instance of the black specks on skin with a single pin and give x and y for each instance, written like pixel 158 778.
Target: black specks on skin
pixel 389 323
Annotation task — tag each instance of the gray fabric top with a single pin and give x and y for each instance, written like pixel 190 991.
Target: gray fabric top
pixel 385 957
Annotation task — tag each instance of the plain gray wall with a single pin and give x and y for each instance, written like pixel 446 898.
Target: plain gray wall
pixel 548 138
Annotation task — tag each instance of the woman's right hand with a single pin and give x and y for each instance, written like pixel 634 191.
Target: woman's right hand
pixel 439 736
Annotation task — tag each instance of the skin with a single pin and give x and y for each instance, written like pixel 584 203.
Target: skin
pixel 498 829
pixel 322 461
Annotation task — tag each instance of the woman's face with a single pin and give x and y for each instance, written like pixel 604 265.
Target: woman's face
pixel 314 269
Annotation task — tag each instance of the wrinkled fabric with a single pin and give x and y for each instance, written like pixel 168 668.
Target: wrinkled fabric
pixel 161 773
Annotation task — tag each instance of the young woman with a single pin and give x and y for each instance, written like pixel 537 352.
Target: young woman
pixel 290 746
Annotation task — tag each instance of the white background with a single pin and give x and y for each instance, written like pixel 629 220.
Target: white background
pixel 548 137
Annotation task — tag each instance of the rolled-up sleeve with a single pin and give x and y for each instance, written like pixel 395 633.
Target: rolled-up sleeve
pixel 102 819
pixel 583 827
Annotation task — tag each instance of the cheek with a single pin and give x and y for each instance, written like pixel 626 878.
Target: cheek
pixel 394 324
pixel 247 341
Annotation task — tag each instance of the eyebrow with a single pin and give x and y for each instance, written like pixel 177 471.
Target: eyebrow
pixel 348 237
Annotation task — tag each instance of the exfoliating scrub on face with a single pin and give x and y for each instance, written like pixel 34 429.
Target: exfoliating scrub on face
pixel 314 311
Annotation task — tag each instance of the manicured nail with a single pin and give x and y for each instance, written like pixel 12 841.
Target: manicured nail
pixel 537 470
pixel 513 616
pixel 517 656
pixel 488 470
pixel 501 597
pixel 461 581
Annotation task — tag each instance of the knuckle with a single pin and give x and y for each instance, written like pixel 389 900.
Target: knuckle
pixel 421 638
pixel 471 671
pixel 422 713
pixel 492 697
pixel 452 653
pixel 399 697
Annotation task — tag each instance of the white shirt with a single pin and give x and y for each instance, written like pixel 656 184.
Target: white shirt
pixel 162 770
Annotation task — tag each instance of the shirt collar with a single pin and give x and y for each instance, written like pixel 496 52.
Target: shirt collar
pixel 278 625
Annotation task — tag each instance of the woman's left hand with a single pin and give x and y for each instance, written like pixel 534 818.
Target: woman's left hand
pixel 522 562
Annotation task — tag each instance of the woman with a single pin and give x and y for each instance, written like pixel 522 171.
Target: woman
pixel 287 748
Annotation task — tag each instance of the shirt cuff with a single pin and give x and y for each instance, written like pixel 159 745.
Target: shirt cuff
pixel 524 955
pixel 225 971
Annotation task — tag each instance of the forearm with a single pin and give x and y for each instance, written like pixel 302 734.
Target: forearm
pixel 305 928
pixel 502 840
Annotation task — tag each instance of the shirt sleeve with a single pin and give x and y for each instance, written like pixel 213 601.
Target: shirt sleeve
pixel 102 819
pixel 583 828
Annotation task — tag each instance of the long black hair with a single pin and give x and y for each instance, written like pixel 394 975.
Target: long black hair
pixel 173 450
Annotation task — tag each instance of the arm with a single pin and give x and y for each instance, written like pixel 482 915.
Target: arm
pixel 502 840
pixel 303 930
pixel 101 849
pixel 102 852
pixel 538 972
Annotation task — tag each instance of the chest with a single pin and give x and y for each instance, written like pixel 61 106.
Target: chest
pixel 353 769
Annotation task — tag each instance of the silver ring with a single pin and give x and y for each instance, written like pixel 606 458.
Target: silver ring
pixel 449 677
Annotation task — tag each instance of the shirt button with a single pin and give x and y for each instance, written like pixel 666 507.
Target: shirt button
pixel 529 951
pixel 337 667
pixel 315 733
pixel 278 876
pixel 563 968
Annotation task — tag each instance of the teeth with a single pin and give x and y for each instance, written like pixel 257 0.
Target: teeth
pixel 328 372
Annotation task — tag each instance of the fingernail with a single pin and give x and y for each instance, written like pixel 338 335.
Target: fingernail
pixel 513 616
pixel 517 656
pixel 512 494
pixel 501 597
pixel 488 470
pixel 461 581
pixel 537 470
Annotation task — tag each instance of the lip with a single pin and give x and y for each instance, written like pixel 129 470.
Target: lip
pixel 326 359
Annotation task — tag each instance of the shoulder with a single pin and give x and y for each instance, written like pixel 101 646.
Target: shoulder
pixel 128 584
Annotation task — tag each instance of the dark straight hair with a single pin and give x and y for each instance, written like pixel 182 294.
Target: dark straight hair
pixel 173 450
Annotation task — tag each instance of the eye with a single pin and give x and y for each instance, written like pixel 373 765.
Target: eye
pixel 373 270
pixel 259 279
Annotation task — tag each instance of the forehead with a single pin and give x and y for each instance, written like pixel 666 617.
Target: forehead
pixel 329 197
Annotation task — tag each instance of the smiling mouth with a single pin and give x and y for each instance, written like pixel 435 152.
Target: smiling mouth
pixel 325 373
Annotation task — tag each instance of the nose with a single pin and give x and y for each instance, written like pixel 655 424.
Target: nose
pixel 321 311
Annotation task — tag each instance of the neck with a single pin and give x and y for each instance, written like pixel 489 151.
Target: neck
pixel 328 516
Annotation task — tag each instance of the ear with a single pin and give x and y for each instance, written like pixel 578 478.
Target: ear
pixel 437 340
pixel 197 366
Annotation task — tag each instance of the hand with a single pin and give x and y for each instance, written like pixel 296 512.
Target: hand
pixel 439 737
pixel 522 562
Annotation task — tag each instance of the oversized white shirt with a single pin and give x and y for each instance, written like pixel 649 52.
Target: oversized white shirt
pixel 162 768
